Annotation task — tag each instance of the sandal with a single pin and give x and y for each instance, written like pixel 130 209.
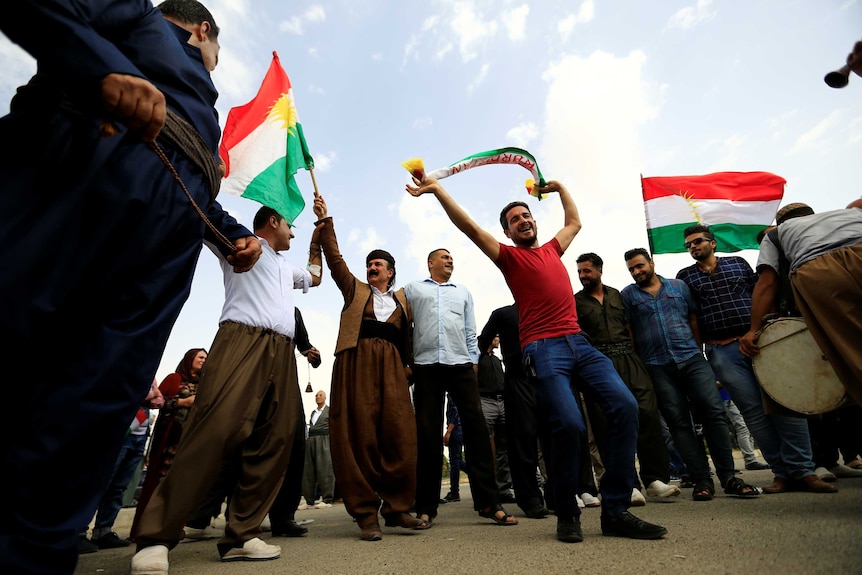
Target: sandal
pixel 736 487
pixel 702 491
pixel 498 515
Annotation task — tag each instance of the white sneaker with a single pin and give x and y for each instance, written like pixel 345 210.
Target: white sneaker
pixel 303 506
pixel 253 550
pixel 844 471
pixel 322 505
pixel 637 498
pixel 589 500
pixel 825 475
pixel 265 525
pixel 580 501
pixel 208 532
pixel 661 489
pixel 151 561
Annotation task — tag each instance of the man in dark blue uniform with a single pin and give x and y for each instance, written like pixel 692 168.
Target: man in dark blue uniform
pixel 100 242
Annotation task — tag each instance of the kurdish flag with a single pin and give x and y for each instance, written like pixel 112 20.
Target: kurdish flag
pixel 263 146
pixel 735 205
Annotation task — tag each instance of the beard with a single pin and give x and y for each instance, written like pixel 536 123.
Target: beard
pixel 525 241
pixel 646 279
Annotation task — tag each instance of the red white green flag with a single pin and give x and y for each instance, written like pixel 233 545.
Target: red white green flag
pixel 735 206
pixel 263 146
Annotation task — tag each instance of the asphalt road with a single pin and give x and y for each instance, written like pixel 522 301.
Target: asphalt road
pixel 791 533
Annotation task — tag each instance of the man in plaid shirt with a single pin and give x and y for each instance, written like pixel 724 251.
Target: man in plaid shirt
pixel 722 288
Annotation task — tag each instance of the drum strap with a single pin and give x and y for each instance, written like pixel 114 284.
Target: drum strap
pixel 786 302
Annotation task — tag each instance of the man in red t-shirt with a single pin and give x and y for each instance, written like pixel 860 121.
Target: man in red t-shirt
pixel 558 357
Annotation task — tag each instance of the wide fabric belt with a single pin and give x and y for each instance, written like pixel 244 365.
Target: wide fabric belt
pixel 370 329
pixel 615 349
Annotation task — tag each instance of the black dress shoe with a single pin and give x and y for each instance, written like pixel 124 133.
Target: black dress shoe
pixel 290 529
pixel 569 530
pixel 539 512
pixel 110 541
pixel 627 525
pixel 507 498
pixel 756 466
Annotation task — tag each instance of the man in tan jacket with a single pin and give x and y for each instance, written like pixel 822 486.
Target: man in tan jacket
pixel 371 423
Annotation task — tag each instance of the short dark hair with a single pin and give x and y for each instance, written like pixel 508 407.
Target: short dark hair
pixel 592 258
pixel 509 206
pixel 189 12
pixel 263 214
pixel 432 252
pixel 637 252
pixel 698 229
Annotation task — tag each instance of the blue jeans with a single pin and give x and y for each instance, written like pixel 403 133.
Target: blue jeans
pixel 784 441
pixel 558 364
pixel 676 384
pixel 456 460
pixel 112 499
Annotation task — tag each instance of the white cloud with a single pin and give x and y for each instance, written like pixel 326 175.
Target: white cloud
pixel 314 89
pixel 854 126
pixel 323 162
pixel 313 52
pixel 422 123
pixel 480 77
pixel 296 24
pixel 377 57
pixel 815 138
pixel 586 13
pixel 522 134
pixel 691 16
pixel 471 29
pixel 515 21
pixel 594 112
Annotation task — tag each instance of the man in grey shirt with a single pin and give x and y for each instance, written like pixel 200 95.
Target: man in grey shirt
pixel 824 252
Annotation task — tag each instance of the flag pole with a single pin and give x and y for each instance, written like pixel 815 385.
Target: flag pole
pixel 313 181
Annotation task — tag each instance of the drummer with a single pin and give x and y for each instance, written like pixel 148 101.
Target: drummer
pixel 722 288
pixel 824 255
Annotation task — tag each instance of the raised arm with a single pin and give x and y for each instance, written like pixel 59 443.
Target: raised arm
pixel 483 239
pixel 571 219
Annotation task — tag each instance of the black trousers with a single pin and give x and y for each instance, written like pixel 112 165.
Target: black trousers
pixel 431 382
pixel 524 437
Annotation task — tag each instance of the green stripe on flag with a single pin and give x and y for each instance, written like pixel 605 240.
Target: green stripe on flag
pixel 729 238
pixel 268 188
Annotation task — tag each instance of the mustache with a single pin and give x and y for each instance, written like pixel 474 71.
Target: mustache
pixel 374 273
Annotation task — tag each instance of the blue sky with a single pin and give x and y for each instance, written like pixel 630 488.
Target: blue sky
pixel 599 92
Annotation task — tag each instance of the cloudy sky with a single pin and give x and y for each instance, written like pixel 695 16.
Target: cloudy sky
pixel 600 92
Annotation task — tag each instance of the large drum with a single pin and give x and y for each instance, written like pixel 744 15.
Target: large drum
pixel 793 371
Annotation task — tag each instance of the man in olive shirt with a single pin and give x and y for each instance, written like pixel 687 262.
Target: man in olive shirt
pixel 602 317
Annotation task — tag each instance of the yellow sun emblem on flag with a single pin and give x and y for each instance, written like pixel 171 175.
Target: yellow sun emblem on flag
pixel 284 111
pixel 692 204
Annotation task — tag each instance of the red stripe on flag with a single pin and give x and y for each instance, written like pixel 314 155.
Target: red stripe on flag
pixel 734 186
pixel 242 120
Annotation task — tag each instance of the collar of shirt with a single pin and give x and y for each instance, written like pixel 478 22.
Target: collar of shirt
pixel 384 303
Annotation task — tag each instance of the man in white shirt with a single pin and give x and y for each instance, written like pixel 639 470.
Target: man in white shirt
pixel 247 407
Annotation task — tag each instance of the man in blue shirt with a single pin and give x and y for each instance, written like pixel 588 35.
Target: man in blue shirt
pixel 723 289
pixel 663 319
pixel 445 356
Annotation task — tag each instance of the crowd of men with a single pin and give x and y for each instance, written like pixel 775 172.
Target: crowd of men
pixel 116 155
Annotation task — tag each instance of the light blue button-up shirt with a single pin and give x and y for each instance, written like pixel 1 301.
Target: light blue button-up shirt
pixel 444 324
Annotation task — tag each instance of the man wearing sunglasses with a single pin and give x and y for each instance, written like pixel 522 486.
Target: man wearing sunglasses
pixel 723 288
